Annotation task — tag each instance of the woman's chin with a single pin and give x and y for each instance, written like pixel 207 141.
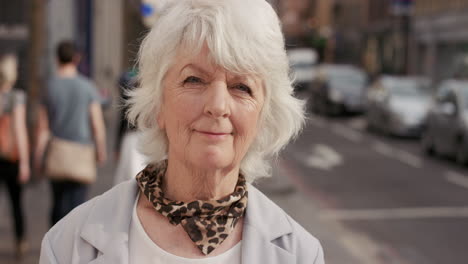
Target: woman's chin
pixel 213 160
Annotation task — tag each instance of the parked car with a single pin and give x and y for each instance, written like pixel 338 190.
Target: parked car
pixel 302 62
pixel 460 67
pixel 447 122
pixel 338 89
pixel 398 105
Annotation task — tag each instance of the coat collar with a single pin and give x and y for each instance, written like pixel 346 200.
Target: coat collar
pixel 108 225
pixel 265 216
pixel 264 222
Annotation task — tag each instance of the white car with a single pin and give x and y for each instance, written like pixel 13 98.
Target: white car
pixel 338 89
pixel 302 62
pixel 398 105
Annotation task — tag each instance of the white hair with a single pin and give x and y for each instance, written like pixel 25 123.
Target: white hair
pixel 8 69
pixel 243 36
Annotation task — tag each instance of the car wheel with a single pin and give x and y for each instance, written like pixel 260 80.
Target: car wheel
pixel 323 108
pixel 340 109
pixel 332 109
pixel 316 105
pixel 369 124
pixel 427 143
pixel 462 153
pixel 385 129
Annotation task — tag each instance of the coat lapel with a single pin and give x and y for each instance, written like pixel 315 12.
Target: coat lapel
pixel 264 223
pixel 111 248
pixel 256 248
pixel 108 226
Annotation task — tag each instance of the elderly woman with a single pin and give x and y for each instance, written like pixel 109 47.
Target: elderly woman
pixel 215 105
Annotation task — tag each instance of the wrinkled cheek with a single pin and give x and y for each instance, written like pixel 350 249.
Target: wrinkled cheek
pixel 177 137
pixel 245 124
pixel 183 136
pixel 253 128
pixel 241 146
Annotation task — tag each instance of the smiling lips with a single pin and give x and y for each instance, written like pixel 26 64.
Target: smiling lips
pixel 213 135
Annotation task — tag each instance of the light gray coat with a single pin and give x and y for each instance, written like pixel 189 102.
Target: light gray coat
pixel 97 232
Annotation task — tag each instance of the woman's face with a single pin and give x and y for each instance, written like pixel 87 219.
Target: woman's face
pixel 210 115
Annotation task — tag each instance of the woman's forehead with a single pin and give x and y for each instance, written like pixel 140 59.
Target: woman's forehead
pixel 203 60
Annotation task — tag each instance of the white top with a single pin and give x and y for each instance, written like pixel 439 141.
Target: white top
pixel 143 250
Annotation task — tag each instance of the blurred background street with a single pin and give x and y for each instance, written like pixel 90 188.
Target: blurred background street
pixel 379 174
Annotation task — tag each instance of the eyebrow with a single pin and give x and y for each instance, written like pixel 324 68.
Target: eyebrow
pixel 195 67
pixel 243 78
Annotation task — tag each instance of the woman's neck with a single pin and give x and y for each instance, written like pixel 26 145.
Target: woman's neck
pixel 184 183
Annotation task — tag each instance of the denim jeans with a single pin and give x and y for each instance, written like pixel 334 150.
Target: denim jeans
pixel 66 196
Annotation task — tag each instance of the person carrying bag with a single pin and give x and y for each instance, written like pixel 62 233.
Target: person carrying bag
pixel 70 133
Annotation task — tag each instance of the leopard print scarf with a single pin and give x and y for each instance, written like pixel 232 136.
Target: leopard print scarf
pixel 207 223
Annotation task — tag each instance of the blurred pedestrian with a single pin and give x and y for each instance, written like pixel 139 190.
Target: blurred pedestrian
pixel 215 104
pixel 130 160
pixel 70 121
pixel 14 149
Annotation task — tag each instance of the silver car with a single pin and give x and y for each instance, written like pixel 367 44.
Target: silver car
pixel 338 89
pixel 398 105
pixel 447 123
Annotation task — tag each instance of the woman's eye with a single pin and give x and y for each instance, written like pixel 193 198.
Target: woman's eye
pixel 192 79
pixel 243 88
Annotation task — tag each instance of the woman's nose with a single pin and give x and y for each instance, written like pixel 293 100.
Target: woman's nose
pixel 217 100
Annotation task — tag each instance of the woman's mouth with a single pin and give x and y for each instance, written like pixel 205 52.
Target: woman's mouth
pixel 213 135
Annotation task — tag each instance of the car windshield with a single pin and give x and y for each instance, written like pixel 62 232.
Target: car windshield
pixel 348 78
pixel 406 88
pixel 463 87
pixel 302 58
pixel 302 65
pixel 461 70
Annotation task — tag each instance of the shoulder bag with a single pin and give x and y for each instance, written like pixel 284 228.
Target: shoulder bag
pixel 70 161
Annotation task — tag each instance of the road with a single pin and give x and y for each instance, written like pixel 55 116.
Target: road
pixel 393 204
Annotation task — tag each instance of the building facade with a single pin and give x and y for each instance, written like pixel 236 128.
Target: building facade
pixel 15 34
pixel 350 19
pixel 97 29
pixel 296 17
pixel 440 31
pixel 387 37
